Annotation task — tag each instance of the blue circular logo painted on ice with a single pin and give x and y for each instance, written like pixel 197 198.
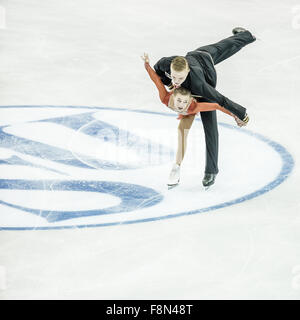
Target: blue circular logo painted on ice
pixel 66 167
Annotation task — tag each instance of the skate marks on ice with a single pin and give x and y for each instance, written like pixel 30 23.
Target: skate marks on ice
pixel 66 167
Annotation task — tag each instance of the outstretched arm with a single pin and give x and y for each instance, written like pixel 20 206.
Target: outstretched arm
pixel 202 88
pixel 212 94
pixel 156 79
pixel 206 106
pixel 209 106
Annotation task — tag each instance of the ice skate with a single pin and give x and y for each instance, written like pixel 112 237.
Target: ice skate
pixel 174 177
pixel 208 180
pixel 237 30
pixel 246 119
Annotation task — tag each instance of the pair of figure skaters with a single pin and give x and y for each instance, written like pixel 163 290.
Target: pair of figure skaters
pixel 191 81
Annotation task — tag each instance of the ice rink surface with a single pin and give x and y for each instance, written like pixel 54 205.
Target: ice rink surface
pixel 74 225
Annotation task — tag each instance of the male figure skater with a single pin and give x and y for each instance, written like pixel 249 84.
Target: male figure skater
pixel 196 72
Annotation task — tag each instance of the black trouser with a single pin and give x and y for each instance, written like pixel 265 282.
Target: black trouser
pixel 219 52
pixel 210 126
pixel 228 47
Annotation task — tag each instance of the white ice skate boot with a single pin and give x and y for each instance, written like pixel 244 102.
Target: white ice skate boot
pixel 174 176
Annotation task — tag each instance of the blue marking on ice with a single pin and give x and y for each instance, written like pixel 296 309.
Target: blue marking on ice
pixel 132 196
pixel 98 130
pixel 286 169
pixel 38 149
pixel 15 160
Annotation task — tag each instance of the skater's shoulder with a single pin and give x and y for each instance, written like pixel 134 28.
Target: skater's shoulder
pixel 165 60
pixel 196 71
pixel 193 61
pixel 194 54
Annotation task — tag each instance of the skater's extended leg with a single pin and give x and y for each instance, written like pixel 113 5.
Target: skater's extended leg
pixel 183 130
pixel 228 47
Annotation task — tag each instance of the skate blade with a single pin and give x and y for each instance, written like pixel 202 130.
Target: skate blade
pixel 172 186
pixel 208 187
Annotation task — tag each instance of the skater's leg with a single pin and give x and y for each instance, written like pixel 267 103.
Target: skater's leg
pixel 210 126
pixel 183 130
pixel 227 47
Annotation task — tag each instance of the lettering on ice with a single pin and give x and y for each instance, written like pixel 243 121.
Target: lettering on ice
pixel 123 310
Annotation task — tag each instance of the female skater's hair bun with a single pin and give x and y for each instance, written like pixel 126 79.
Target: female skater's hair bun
pixel 183 91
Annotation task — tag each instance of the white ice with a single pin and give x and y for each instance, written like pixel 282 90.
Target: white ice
pixel 87 53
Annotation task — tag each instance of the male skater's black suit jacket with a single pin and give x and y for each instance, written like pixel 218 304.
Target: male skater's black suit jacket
pixel 201 80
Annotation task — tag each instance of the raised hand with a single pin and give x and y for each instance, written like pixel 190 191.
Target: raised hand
pixel 145 58
pixel 239 122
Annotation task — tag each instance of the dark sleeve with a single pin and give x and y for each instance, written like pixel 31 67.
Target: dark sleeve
pixel 202 88
pixel 160 68
pixel 212 94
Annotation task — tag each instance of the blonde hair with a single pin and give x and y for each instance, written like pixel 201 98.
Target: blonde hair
pixel 183 91
pixel 179 64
